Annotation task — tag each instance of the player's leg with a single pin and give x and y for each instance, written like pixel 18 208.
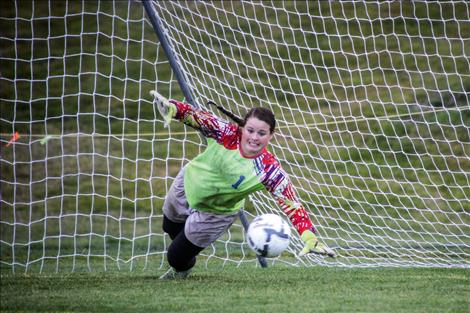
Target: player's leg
pixel 182 253
pixel 173 229
pixel 201 230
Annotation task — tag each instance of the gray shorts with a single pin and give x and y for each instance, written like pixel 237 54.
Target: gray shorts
pixel 201 228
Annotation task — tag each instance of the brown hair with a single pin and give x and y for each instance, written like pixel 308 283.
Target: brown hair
pixel 263 114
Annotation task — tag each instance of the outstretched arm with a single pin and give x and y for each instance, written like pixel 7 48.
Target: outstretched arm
pixel 205 122
pixel 301 221
pixel 280 186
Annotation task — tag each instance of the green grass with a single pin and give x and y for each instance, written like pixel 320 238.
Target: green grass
pixel 246 289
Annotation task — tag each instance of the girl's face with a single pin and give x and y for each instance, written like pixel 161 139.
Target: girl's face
pixel 255 137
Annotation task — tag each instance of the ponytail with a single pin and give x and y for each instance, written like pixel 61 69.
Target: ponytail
pixel 235 118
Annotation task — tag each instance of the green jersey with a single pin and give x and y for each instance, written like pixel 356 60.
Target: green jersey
pixel 219 179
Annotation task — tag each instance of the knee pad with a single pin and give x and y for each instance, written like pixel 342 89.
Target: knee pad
pixel 182 253
pixel 172 228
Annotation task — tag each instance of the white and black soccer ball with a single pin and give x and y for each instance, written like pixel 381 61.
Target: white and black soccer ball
pixel 268 235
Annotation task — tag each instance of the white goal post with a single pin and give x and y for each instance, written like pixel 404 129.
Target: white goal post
pixel 372 101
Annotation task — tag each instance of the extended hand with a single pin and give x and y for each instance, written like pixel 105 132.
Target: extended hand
pixel 313 245
pixel 166 109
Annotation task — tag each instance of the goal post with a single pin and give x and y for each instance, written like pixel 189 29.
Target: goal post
pixel 371 100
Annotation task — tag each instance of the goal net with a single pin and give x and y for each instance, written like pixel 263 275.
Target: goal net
pixel 371 99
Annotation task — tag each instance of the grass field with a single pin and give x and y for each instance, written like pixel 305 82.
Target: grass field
pixel 244 290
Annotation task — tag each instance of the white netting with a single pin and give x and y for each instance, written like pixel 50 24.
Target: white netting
pixel 372 101
pixel 373 106
pixel 86 179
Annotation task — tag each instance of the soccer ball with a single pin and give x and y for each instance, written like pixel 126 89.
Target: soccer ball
pixel 268 235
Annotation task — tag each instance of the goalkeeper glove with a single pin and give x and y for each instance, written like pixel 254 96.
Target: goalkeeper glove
pixel 166 109
pixel 313 245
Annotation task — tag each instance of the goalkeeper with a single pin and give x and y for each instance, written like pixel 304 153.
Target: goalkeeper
pixel 208 192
